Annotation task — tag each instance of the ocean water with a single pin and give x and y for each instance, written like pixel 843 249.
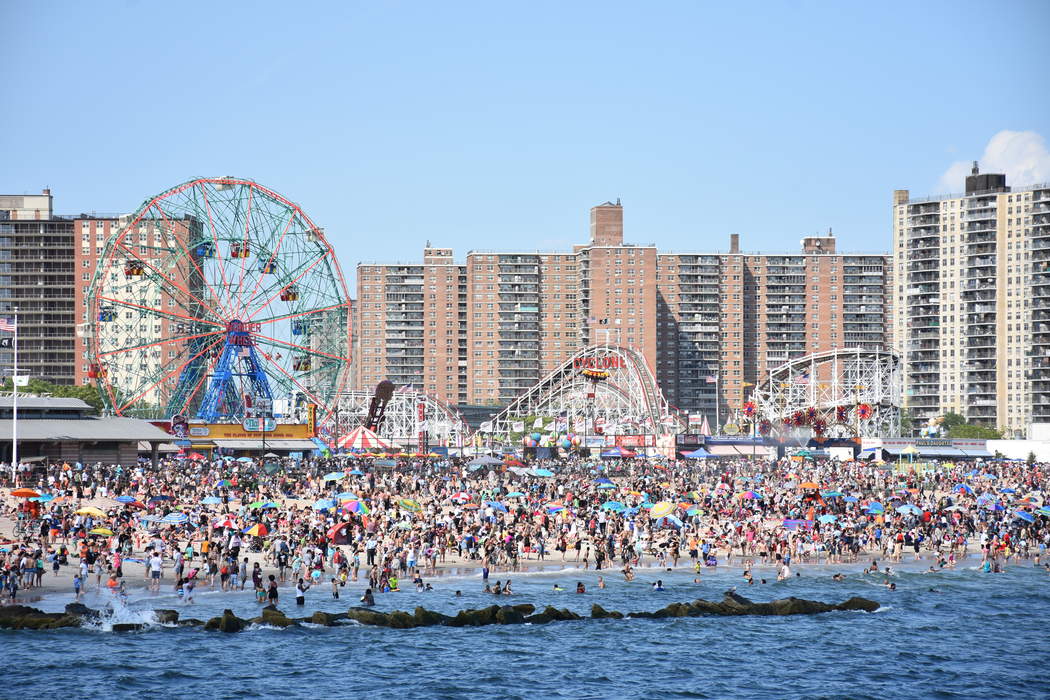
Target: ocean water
pixel 976 635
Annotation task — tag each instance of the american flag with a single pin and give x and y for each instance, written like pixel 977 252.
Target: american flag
pixel 711 378
pixel 802 379
pixel 7 324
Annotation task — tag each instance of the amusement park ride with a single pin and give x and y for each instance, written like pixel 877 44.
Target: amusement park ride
pixel 218 300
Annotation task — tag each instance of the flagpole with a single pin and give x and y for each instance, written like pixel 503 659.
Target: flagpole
pixel 14 405
pixel 718 403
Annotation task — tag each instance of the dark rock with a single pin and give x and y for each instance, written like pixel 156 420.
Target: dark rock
pixel 66 621
pixel 475 618
pixel 525 608
pixel 799 606
pixel 167 617
pixel 539 619
pixel 275 618
pixel 365 616
pixel 228 622
pixel 326 619
pixel 600 613
pixel 401 620
pixel 734 598
pixel 129 627
pixel 429 618
pixel 507 615
pixel 856 603
pixel 191 622
pixel 81 610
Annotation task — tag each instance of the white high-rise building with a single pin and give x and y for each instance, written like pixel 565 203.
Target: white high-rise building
pixel 972 302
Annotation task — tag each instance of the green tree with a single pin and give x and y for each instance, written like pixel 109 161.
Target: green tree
pixel 907 422
pixel 974 432
pixel 951 420
pixel 88 394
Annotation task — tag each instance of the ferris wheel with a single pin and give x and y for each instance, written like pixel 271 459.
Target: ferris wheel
pixel 218 299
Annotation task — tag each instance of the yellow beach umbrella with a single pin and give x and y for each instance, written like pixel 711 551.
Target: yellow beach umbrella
pixel 91 510
pixel 661 509
pixel 104 531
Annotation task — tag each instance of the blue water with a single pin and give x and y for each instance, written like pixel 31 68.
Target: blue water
pixel 982 635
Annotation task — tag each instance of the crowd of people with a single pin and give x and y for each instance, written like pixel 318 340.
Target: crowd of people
pixel 231 525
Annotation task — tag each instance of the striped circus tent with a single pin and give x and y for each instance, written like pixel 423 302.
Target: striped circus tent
pixel 361 438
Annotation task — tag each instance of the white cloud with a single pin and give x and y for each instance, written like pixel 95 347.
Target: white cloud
pixel 1022 155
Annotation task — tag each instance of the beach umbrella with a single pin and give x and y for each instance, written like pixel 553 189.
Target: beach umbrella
pixel 361 438
pixel 828 518
pixel 92 511
pixel 876 507
pixel 808 485
pixel 323 504
pixel 224 482
pixel 694 511
pixel 470 506
pixel 832 494
pixel 542 472
pixel 244 459
pixel 670 520
pixel 356 507
pixel 908 508
pixel 661 509
pixel 25 493
pixel 270 505
pixel 334 476
pixel 1045 510
pixel 211 500
pixel 103 531
pixel 963 488
pixel 257 530
pixel 158 499
pixel 752 495
pixel 615 506
pixel 410 505
pixel 461 496
pixel 1025 516
pixel 220 524
pixel 606 487
pixel 174 519
pixel 124 499
pixel 347 496
pixel 515 494
pixel 496 505
pixel 356 472
pixel 195 455
pixel 850 499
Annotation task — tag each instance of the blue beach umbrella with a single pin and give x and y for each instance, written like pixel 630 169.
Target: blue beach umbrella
pixel 614 506
pixel 828 518
pixel 515 494
pixel 542 472
pixel 670 520
pixel 1045 510
pixel 334 476
pixel 496 505
pixel 1025 516
pixel 876 507
pixel 124 499
pixel 174 519
pixel 963 488
pixel 908 508
pixel 323 504
pixel 850 499
pixel 211 500
pixel 606 487
pixel 244 459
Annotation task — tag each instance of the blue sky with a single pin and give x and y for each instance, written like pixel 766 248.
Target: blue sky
pixel 497 125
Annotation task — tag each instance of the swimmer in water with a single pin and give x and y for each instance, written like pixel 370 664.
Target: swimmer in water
pixel 838 577
pixel 601 582
pixel 557 588
pixel 368 598
pixel 659 585
pixel 890 585
pixel 580 588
